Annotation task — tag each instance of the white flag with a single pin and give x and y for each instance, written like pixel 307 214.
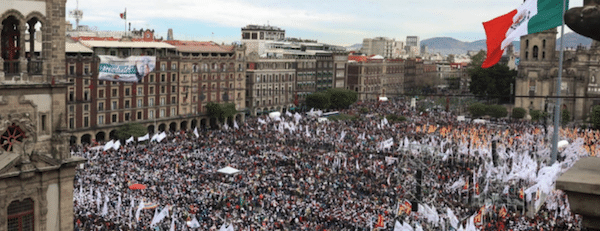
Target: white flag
pixel 129 140
pixel 105 207
pixel 108 145
pixel 139 209
pixel 235 125
pixel 193 223
pixel 154 137
pixel 163 213
pixel 173 218
pixel 98 199
pixel 117 145
pixel 196 132
pixel 161 136
pixel 144 138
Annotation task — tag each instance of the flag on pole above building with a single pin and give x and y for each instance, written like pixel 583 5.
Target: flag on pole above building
pixel 532 16
pixel 124 14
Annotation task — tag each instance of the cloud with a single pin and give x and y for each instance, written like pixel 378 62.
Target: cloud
pixel 337 20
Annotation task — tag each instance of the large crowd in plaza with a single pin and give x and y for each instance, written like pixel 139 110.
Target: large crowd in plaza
pixel 297 173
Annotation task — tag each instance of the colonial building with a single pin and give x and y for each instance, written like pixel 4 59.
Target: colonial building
pixel 373 77
pixel 36 167
pixel 172 97
pixel 283 71
pixel 210 72
pixel 536 83
pixel 270 84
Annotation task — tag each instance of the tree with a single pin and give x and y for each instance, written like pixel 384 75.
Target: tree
pixel 518 113
pixel 536 115
pixel 130 129
pixel 221 112
pixel 496 111
pixel 318 100
pixel 395 118
pixel 491 82
pixel 565 117
pixel 341 98
pixel 595 117
pixel 477 109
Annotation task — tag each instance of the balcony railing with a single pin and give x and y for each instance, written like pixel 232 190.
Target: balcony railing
pixel 11 68
pixel 35 67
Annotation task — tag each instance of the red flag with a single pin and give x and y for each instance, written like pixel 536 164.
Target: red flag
pixel 495 32
pixel 477 188
pixel 380 223
pixel 503 212
pixel 478 218
pixel 521 194
pixel 124 14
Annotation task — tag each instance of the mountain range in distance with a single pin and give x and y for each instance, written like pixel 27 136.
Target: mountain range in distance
pixel 447 45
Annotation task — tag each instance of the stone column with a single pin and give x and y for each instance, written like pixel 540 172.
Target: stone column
pixel 22 59
pixel 1 62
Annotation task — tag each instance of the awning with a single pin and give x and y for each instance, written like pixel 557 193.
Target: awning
pixel 228 171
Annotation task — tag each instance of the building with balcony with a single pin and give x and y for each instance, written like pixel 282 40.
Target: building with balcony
pixel 173 97
pixel 270 84
pixel 210 72
pixel 374 77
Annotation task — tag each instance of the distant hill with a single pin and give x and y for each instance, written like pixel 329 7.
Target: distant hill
pixel 573 39
pixel 354 47
pixel 447 45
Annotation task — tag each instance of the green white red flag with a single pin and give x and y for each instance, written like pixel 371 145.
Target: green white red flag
pixel 532 16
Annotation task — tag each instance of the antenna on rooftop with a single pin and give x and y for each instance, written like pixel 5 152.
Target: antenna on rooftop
pixel 77 15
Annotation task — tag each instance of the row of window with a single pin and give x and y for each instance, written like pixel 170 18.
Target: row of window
pixel 270 91
pixel 269 78
pixel 72 70
pixel 140 103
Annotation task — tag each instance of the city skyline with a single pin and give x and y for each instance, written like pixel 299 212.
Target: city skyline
pixel 335 22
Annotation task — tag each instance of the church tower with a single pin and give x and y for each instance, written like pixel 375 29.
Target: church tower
pixel 538 59
pixel 36 167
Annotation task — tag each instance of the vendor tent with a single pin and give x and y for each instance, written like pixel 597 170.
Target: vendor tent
pixel 228 170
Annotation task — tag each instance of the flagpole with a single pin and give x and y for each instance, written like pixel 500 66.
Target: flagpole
pixel 125 17
pixel 558 86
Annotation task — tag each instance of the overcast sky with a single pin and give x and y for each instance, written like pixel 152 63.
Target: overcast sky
pixel 340 22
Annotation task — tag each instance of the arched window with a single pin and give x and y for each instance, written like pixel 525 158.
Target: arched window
pixel 535 51
pixel 544 43
pixel 11 44
pixel 20 215
pixel 526 43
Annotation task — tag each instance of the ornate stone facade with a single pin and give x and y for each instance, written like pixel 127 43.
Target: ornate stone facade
pixel 536 83
pixel 35 163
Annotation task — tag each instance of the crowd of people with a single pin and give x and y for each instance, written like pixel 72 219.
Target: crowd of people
pixel 297 173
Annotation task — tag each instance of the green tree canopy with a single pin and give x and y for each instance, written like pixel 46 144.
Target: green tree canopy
pixel 341 98
pixel 130 129
pixel 477 109
pixel 518 113
pixel 595 117
pixel 220 111
pixel 494 82
pixel 496 111
pixel 565 117
pixel 536 115
pixel 320 100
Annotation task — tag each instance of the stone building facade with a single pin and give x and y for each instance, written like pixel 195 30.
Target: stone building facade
pixel 36 167
pixel 536 83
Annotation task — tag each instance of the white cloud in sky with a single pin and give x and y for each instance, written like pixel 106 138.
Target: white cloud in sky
pixel 345 21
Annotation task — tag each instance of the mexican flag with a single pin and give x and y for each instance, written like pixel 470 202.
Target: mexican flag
pixel 532 16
